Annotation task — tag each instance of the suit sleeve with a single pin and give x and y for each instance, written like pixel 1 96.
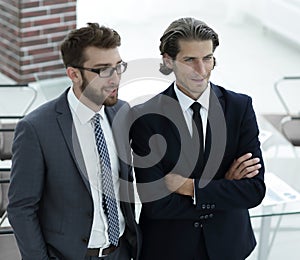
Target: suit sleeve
pixel 236 194
pixel 25 192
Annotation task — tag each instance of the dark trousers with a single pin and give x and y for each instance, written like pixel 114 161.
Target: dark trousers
pixel 201 254
pixel 121 253
pixel 169 245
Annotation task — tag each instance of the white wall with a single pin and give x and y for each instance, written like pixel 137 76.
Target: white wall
pixel 249 59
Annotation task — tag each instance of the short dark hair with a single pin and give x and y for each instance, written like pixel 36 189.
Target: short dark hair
pixel 184 29
pixel 73 46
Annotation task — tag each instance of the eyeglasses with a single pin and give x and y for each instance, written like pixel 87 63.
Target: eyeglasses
pixel 106 72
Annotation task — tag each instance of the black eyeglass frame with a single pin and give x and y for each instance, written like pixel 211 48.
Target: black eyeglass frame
pixel 99 70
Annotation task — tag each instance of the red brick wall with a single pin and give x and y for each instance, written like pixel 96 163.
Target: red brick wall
pixel 30 33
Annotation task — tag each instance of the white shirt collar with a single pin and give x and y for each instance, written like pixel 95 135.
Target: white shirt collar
pixel 185 101
pixel 84 113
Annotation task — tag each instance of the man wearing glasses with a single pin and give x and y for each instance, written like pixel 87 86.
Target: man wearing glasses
pixel 70 196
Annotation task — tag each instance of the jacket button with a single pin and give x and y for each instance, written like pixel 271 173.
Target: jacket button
pixel 201 217
pixel 211 215
pixel 196 224
pixel 206 216
pixel 208 206
pixel 212 206
pixel 203 206
pixel 85 240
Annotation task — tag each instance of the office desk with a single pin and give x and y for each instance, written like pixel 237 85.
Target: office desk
pixel 280 156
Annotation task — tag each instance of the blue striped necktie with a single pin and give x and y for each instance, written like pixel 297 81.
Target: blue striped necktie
pixel 109 199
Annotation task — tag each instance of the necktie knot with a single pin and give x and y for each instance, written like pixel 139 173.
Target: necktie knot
pixel 96 119
pixel 196 107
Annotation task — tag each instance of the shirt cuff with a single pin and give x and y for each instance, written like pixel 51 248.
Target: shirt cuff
pixel 194 196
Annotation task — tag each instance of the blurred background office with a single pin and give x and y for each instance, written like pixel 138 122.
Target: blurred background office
pixel 259 40
pixel 259 55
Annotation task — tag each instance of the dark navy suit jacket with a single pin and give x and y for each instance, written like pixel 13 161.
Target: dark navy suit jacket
pixel 50 202
pixel 171 222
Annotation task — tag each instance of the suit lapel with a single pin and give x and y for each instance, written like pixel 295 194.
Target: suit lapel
pixel 189 153
pixel 120 144
pixel 171 108
pixel 212 102
pixel 219 95
pixel 65 121
pixel 118 126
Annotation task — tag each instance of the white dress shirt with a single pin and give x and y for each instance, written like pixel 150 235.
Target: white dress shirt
pixel 82 119
pixel 185 104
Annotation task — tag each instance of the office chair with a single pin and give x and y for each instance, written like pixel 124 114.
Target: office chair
pixel 4 182
pixel 8 245
pixel 6 139
pixel 287 90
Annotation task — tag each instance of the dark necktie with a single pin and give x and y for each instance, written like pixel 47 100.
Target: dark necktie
pixel 109 199
pixel 198 133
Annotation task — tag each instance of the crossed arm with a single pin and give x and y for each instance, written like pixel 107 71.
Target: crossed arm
pixel 243 167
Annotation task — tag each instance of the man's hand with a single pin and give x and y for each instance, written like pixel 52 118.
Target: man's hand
pixel 243 167
pixel 177 183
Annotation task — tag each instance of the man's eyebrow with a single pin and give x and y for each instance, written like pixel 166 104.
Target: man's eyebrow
pixel 105 64
pixel 189 57
pixel 208 55
pixel 194 57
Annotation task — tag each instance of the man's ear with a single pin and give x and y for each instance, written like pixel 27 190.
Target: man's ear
pixel 168 61
pixel 74 74
pixel 215 63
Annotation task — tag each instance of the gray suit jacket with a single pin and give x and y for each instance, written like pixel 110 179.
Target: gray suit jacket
pixel 50 203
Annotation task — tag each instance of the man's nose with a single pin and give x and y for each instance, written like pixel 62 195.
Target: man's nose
pixel 200 67
pixel 115 77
